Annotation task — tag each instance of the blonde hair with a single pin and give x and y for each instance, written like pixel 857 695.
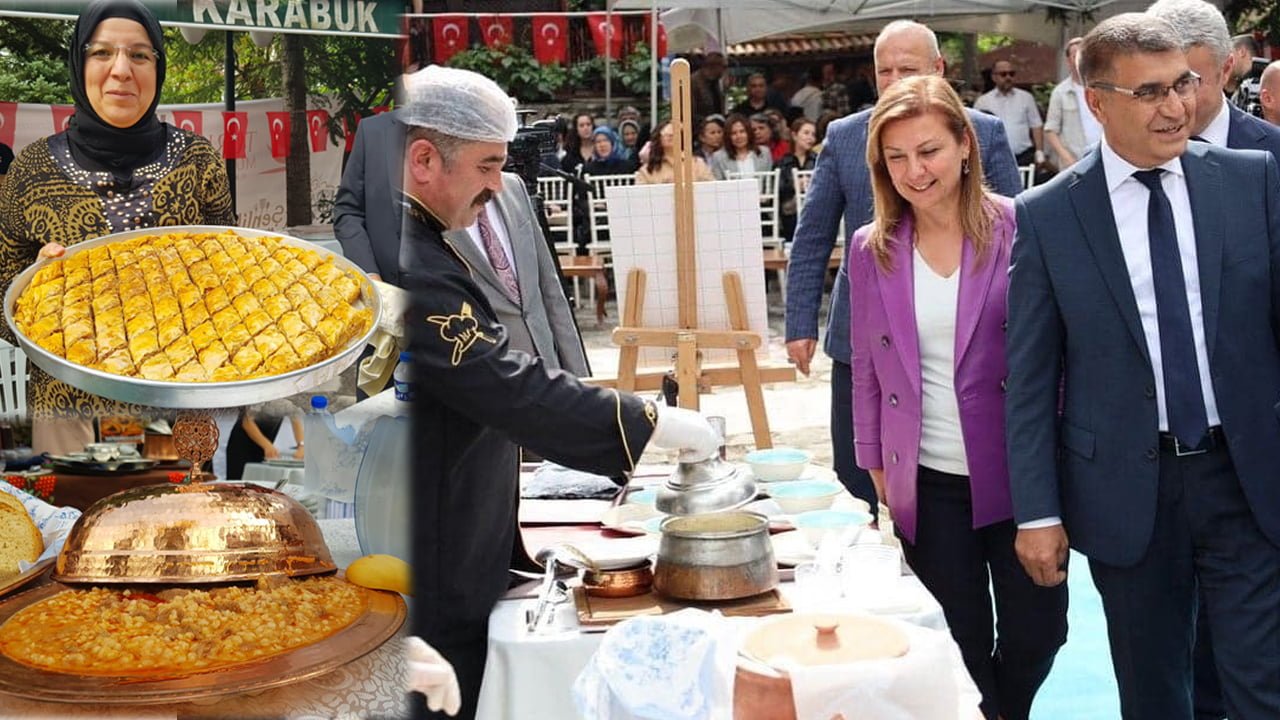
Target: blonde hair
pixel 909 98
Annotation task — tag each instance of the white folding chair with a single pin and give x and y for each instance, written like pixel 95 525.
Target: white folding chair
pixel 599 245
pixel 1028 175
pixel 13 383
pixel 800 180
pixel 557 201
pixel 770 217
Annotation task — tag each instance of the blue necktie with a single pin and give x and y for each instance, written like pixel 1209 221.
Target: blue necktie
pixel 1183 398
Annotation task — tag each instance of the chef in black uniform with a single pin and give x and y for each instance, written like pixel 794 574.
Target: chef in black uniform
pixel 477 400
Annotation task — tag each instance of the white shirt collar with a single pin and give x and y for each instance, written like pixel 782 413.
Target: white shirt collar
pixel 1117 169
pixel 1218 128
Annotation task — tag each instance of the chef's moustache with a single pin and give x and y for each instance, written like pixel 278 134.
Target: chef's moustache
pixel 485 196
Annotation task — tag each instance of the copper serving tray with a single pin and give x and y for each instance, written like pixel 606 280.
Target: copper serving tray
pixel 194 395
pixel 384 616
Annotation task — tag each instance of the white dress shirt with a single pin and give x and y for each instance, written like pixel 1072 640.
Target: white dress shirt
pixel 1129 199
pixel 1017 109
pixel 1218 128
pixel 936 297
pixel 499 229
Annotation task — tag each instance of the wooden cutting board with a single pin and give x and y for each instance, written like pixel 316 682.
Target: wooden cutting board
pixel 603 612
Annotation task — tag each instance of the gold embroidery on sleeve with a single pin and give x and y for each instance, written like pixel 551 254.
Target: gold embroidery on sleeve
pixel 461 329
pixel 622 430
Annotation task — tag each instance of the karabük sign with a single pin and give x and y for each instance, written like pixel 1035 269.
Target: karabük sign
pixel 369 18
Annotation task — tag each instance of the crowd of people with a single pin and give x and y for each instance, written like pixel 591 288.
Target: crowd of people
pixel 1019 372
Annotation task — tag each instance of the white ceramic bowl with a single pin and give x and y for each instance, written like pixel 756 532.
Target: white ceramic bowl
pixel 817 524
pixel 797 496
pixel 776 464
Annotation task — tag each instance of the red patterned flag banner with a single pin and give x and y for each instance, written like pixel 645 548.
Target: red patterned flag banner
pixel 349 133
pixel 190 120
pixel 449 36
pixel 662 37
pixel 8 122
pixel 551 39
pixel 62 116
pixel 279 124
pixel 496 30
pixel 235 126
pixel 606 32
pixel 318 128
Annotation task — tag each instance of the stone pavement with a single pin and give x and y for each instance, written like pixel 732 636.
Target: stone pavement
pixel 799 412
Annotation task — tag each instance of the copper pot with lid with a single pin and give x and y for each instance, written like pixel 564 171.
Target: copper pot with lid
pixel 762 691
pixel 718 556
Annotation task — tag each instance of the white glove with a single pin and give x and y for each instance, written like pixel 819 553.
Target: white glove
pixel 1039 156
pixel 686 431
pixel 433 676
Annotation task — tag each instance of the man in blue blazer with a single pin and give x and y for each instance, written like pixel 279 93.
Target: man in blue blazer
pixel 367 209
pixel 1207 42
pixel 1144 380
pixel 842 186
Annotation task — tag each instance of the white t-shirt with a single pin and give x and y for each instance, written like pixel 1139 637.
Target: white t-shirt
pixel 936 298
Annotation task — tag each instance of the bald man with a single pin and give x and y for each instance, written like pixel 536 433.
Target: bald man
pixel 1269 93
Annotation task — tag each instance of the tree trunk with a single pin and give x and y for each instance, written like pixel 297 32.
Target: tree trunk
pixel 298 164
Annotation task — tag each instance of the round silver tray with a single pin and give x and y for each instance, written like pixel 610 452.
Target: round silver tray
pixel 189 395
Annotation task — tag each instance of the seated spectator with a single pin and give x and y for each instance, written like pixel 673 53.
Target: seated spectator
pixel 802 157
pixel 606 155
pixel 629 133
pixel 710 137
pixel 766 135
pixel 740 153
pixel 661 165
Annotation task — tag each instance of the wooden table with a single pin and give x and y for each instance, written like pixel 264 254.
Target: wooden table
pixel 81 491
pixel 775 259
pixel 585 266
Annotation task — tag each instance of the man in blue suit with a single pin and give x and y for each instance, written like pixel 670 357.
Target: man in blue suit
pixel 842 186
pixel 1208 45
pixel 1144 375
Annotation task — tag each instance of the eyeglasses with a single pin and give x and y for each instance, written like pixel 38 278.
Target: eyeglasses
pixel 1006 73
pixel 140 55
pixel 1155 93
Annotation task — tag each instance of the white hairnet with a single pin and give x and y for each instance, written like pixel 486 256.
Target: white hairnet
pixel 460 104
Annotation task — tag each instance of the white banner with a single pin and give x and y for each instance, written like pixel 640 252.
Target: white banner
pixel 260 187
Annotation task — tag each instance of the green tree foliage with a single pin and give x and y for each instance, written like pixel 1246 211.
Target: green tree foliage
pixel 1249 15
pixel 33 61
pixel 515 69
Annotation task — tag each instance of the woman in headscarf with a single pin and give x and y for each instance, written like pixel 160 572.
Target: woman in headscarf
pixel 607 156
pixel 629 133
pixel 115 168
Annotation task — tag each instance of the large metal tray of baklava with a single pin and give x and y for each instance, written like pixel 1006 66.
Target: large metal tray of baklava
pixel 209 393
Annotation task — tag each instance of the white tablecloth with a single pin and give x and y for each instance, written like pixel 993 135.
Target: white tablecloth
pixel 262 472
pixel 530 677
pixel 369 687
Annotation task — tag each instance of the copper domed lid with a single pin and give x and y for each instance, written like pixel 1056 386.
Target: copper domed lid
pixel 824 639
pixel 201 533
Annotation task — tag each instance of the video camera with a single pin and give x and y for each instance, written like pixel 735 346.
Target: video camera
pixel 1248 95
pixel 534 145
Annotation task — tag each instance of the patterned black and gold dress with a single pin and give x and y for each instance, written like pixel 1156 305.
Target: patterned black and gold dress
pixel 47 197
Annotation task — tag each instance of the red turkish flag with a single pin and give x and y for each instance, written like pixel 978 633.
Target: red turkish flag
pixel 449 36
pixel 235 126
pixel 496 30
pixel 349 132
pixel 318 127
pixel 192 120
pixel 662 38
pixel 61 116
pixel 8 122
pixel 279 124
pixel 606 31
pixel 551 39
pixel 381 109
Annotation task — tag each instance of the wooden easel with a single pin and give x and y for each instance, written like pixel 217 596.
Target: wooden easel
pixel 688 339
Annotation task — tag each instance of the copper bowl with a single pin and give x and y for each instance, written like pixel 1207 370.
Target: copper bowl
pixel 200 533
pixel 627 582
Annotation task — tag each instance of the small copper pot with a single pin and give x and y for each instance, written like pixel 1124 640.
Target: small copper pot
pixel 627 582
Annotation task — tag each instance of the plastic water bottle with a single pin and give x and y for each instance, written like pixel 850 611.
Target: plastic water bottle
pixel 331 461
pixel 403 380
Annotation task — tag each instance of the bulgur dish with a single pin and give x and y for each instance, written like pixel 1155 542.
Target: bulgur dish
pixel 178 631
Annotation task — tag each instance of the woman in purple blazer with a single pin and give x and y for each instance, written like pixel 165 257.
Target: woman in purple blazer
pixel 928 278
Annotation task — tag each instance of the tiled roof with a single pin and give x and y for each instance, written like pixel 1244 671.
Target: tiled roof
pixel 808 44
